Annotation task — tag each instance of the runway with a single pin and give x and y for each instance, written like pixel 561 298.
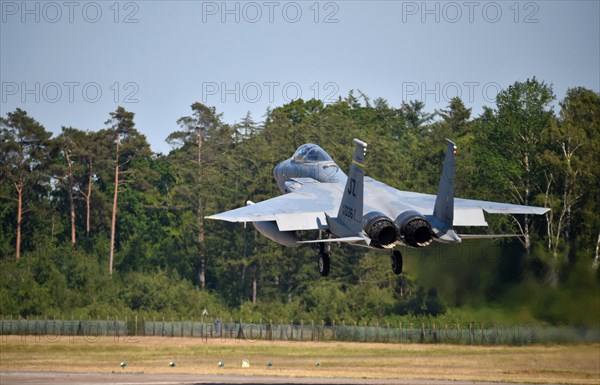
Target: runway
pixel 64 378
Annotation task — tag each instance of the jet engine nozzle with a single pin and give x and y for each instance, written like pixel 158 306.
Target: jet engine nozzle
pixel 380 229
pixel 414 229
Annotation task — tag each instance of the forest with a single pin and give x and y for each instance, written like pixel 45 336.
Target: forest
pixel 95 223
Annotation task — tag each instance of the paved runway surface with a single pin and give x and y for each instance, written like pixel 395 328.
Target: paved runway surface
pixel 39 378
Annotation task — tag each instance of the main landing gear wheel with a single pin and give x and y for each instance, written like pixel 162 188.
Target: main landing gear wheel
pixel 324 260
pixel 396 262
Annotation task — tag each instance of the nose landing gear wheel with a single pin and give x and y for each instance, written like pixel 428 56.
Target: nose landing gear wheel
pixel 396 262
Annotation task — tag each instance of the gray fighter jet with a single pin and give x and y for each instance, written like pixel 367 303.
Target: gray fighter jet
pixel 361 211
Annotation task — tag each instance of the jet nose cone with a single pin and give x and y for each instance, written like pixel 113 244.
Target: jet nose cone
pixel 279 175
pixel 277 171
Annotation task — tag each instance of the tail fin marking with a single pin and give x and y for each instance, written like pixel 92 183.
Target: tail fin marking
pixel 349 218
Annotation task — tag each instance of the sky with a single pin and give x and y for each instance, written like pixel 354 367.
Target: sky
pixel 70 63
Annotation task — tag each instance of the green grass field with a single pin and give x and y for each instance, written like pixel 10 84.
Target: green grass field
pixel 569 364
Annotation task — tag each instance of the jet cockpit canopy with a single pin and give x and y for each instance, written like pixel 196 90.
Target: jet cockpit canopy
pixel 311 153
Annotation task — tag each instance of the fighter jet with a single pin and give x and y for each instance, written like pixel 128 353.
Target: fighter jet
pixel 362 211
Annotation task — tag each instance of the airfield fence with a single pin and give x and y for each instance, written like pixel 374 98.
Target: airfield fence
pixel 473 333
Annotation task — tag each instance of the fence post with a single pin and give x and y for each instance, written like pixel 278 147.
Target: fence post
pixel 400 327
pixel 445 335
pixel 333 330
pixel 469 336
pixel 280 331
pixel 388 332
pixel 482 333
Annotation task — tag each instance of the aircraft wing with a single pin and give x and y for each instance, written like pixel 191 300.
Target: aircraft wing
pixel 467 212
pixel 302 209
pixel 306 206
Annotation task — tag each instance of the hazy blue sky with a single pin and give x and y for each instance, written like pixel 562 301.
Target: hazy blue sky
pixel 73 62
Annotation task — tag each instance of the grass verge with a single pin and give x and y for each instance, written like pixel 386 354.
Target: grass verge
pixel 568 364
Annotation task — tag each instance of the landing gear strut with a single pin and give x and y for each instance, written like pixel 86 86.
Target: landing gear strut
pixel 324 259
pixel 396 262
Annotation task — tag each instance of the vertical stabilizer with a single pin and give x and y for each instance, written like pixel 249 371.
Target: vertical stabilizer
pixel 349 219
pixel 444 203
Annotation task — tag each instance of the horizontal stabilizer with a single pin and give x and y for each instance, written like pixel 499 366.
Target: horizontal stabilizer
pixel 488 236
pixel 506 208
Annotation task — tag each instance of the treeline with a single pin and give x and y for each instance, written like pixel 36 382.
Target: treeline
pixel 94 222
